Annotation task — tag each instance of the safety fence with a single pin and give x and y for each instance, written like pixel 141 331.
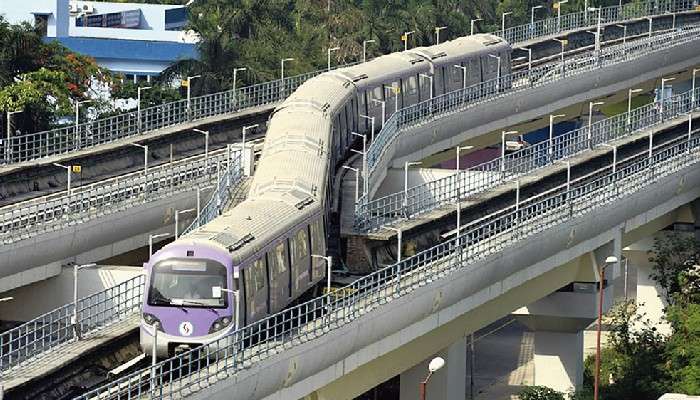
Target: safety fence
pixel 57 211
pixel 201 367
pixel 63 325
pixel 428 196
pixel 137 122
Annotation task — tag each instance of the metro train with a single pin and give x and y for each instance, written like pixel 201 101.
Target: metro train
pixel 259 252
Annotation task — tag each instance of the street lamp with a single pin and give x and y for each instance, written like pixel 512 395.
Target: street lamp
pixel 503 21
pixel 630 92
pixel 651 22
pixel 558 7
pixel 8 148
pixel 383 103
pixel 329 264
pixel 399 240
pixel 430 80
pixel 591 104
pixel 464 75
pixel 357 181
pixel 365 178
pixel 156 236
pixel 138 104
pixel 206 144
pixel 77 112
pixel 692 94
pixel 568 174
pixel 532 18
pixel 503 148
pixel 405 39
pixel 177 220
pixel 371 120
pixel 471 25
pixel 364 49
pixel 663 94
pixel 74 317
pixel 405 179
pixel 562 42
pixel 459 185
pixel 498 75
pixel 614 149
pixel 624 32
pixel 608 261
pixel 283 86
pixel 235 80
pixel 243 149
pixel 437 33
pixel 599 27
pixel 189 94
pixel 434 365
pixel 550 148
pixel 68 171
pixel 145 156
pixel 395 90
pixel 329 55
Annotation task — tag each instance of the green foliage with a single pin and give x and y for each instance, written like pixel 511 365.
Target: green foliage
pixel 683 348
pixel 672 257
pixel 157 94
pixel 540 393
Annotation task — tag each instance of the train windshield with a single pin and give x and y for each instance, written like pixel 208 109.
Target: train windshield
pixel 187 283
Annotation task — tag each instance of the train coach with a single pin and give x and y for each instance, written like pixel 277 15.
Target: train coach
pixel 255 259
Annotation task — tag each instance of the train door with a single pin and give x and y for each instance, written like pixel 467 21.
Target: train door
pixel 299 257
pixel 279 277
pixel 318 246
pixel 256 290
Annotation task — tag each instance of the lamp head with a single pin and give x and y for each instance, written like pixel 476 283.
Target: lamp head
pixel 611 260
pixel 436 364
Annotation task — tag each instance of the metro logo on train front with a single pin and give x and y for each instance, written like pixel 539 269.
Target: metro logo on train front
pixel 186 328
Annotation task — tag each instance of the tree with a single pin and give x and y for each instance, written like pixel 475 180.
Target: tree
pixel 672 257
pixel 540 393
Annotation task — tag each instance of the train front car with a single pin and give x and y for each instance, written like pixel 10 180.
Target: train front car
pixel 183 299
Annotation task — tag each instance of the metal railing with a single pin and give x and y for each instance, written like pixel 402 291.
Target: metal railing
pixel 462 99
pixel 67 139
pixel 56 211
pixel 220 197
pixel 187 373
pixel 428 196
pixel 46 332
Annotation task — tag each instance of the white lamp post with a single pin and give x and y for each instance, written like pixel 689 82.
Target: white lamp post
pixel 365 178
pixel 206 144
pixel 434 365
pixel 630 92
pixel 77 113
pixel 651 22
pixel 68 171
pixel 459 185
pixel 550 148
pixel 74 317
pixel 243 142
pixel 156 236
pixel 663 94
pixel 608 261
pixel 145 156
pixel 329 264
pixel 503 21
pixel 562 42
pixel 614 149
pixel 405 39
pixel 532 19
pixel 371 120
pixel 503 148
pixel 464 75
pixel 357 181
pixel 529 58
pixel 437 33
pixel 282 85
pixel 199 202
pixel 138 105
pixel 692 94
pixel 624 32
pixel 177 220
pixel 591 104
pixel 406 165
pixel 430 81
pixel 399 241
pixel 235 81
pixel 329 55
pixel 216 293
pixel 383 103
pixel 189 94
pixel 395 90
pixel 8 148
pixel 558 5
pixel 471 25
pixel 364 49
pixel 599 27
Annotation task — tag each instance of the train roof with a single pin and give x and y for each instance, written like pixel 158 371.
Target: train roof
pixel 455 50
pixel 385 69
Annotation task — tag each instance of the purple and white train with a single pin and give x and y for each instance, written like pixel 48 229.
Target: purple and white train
pixel 259 252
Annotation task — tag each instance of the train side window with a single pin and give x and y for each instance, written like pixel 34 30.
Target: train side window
pixel 249 279
pixel 259 273
pixel 281 259
pixel 413 85
pixel 302 242
pixel 317 237
pixel 377 94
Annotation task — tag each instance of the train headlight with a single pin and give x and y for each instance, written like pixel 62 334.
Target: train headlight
pixel 220 324
pixel 152 320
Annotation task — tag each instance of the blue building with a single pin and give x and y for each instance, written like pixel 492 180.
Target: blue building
pixel 137 40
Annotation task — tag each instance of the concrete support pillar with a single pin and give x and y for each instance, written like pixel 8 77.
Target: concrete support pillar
pixel 558 358
pixel 649 296
pixel 449 383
